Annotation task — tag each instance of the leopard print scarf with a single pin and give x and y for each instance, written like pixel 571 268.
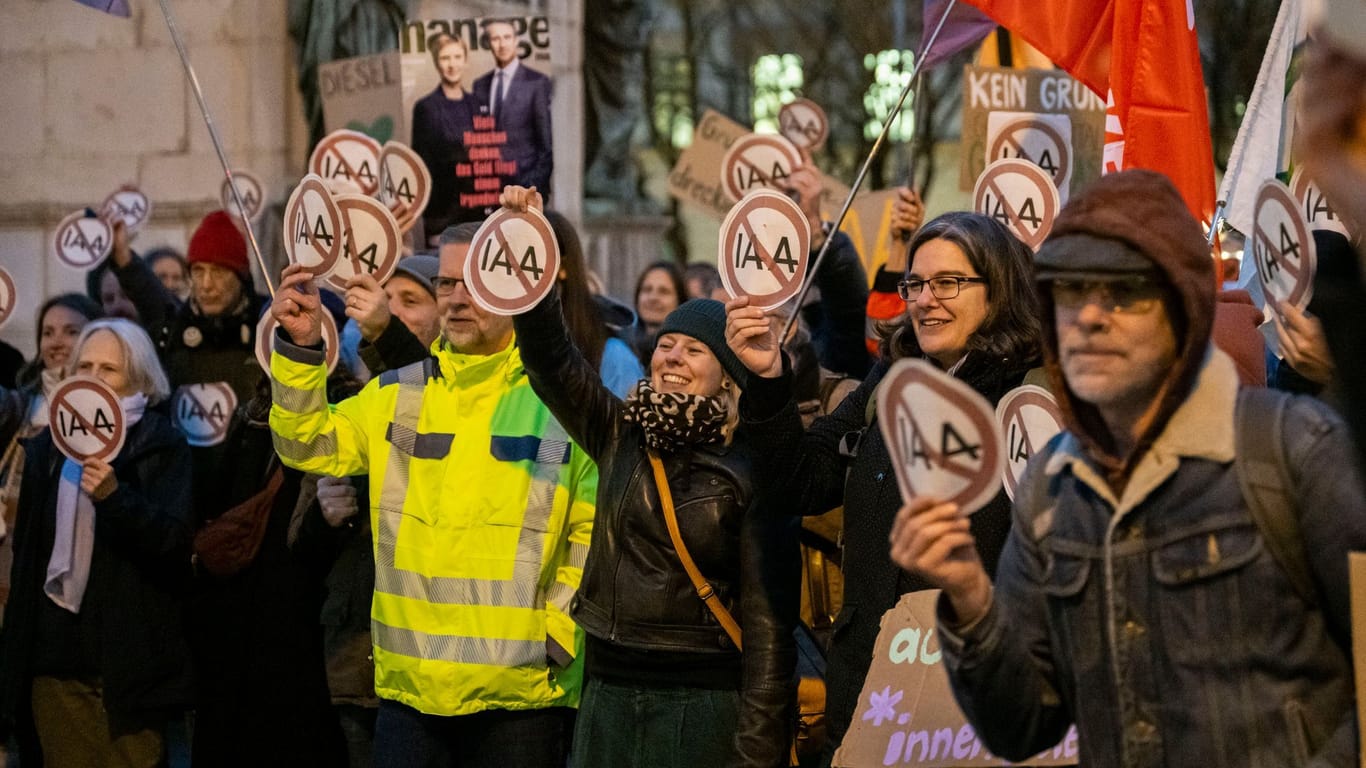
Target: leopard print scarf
pixel 674 421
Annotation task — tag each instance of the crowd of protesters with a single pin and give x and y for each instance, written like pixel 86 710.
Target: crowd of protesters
pixel 571 537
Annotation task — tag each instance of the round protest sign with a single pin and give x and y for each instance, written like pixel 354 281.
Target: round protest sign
pixel 942 436
pixel 249 189
pixel 765 248
pixel 370 241
pixel 513 262
pixel 83 241
pixel 1020 195
pixel 128 205
pixel 405 184
pixel 347 157
pixel 202 412
pixel 313 227
pixel 265 340
pixel 86 419
pixel 757 160
pixel 1315 207
pixel 1034 139
pixel 9 296
pixel 1029 417
pixel 803 123
pixel 1282 246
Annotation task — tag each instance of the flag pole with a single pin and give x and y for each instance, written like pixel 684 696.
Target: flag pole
pixel 217 142
pixel 863 171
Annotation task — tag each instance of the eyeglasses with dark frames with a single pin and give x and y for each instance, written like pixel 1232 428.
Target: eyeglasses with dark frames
pixel 942 287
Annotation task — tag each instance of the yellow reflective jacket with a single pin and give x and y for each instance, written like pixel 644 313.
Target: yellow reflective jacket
pixel 482 511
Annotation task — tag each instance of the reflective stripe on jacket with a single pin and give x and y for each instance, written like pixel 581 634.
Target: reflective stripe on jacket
pixel 482 511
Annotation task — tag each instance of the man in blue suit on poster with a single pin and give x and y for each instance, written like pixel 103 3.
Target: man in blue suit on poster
pixel 518 97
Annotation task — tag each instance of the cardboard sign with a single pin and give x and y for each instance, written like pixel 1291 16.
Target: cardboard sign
pixel 1356 567
pixel 370 241
pixel 405 184
pixel 86 418
pixel 313 226
pixel 83 241
pixel 1029 417
pixel 1048 95
pixel 347 158
pixel 942 436
pixel 203 412
pixel 1315 207
pixel 765 249
pixel 249 189
pixel 1044 140
pixel 1282 246
pixel 265 341
pixel 1021 196
pixel 9 296
pixel 513 262
pixel 758 161
pixel 906 713
pixel 128 205
pixel 804 123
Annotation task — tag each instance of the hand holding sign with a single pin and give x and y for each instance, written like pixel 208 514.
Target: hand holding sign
pixel 765 248
pixel 298 306
pixel 942 436
pixel 86 419
pixel 753 336
pixel 513 262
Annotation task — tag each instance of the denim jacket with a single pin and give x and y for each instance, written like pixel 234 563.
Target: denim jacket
pixel 1159 621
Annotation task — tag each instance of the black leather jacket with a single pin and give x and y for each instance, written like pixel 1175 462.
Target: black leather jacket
pixel 634 591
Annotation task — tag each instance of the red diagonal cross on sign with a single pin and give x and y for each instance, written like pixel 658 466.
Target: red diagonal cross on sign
pixel 105 441
pixel 1014 217
pixel 967 473
pixel 207 411
pixel 783 279
pixel 501 237
pixel 1294 270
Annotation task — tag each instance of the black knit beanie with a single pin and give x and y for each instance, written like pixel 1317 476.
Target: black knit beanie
pixel 705 320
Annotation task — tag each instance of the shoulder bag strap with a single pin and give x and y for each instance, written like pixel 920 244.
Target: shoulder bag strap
pixel 699 582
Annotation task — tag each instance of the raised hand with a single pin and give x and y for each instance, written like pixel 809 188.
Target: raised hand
pixel 1303 343
pixel 934 540
pixel 97 479
pixel 520 199
pixel 298 307
pixel 753 337
pixel 367 304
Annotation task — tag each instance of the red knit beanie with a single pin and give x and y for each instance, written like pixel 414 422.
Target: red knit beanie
pixel 218 241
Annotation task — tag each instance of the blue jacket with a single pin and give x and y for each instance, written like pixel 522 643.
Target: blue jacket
pixel 1159 621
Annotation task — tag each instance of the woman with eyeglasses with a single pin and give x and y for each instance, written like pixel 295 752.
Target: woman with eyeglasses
pixel 970 310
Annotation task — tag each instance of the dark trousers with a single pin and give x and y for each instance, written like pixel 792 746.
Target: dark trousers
pixel 496 738
pixel 635 726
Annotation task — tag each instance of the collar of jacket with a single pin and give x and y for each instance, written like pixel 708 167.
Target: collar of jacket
pixel 456 366
pixel 1200 428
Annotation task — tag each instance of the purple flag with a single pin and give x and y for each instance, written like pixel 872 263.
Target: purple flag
pixel 964 28
pixel 112 7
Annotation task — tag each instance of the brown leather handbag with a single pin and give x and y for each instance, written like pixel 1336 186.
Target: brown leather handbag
pixel 227 544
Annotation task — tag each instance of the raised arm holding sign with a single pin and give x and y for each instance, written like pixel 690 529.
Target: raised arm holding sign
pixel 298 306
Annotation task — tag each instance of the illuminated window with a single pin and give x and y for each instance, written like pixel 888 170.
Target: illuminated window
pixel 891 71
pixel 777 80
pixel 672 104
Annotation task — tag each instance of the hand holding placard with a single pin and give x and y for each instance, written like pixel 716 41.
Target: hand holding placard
pixel 753 336
pixel 298 306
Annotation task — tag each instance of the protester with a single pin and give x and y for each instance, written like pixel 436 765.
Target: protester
pixel 1152 591
pixel 836 305
pixel 703 281
pixel 659 291
pixel 171 269
pixel 1306 364
pixel 971 311
pixel 409 296
pixel 94 643
pixel 503 509
pixel 656 657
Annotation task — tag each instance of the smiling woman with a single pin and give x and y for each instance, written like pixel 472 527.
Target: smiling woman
pixel 972 311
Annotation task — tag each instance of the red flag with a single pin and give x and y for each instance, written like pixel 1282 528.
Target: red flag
pixel 1144 56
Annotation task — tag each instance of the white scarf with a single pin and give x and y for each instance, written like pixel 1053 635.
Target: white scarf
pixel 68 568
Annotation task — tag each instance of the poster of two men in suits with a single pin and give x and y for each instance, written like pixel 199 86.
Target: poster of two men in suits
pixel 486 121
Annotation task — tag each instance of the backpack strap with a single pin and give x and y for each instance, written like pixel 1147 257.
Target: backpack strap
pixel 1264 477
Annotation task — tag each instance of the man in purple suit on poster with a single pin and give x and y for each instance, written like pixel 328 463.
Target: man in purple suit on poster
pixel 518 97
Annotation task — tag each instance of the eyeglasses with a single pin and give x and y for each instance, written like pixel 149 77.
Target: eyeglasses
pixel 946 287
pixel 1132 296
pixel 445 286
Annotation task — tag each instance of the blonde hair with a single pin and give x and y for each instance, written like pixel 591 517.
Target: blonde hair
pixel 140 359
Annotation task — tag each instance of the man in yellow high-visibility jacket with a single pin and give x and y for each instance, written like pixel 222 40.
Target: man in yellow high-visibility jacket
pixel 482 511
